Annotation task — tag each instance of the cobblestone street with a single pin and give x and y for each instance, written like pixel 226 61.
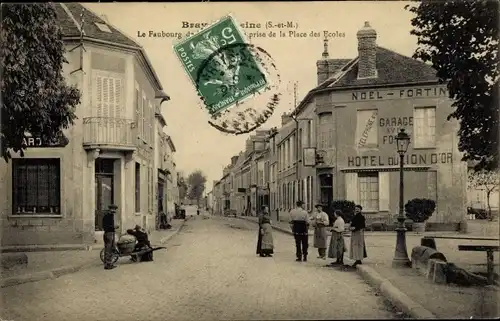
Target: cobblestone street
pixel 209 272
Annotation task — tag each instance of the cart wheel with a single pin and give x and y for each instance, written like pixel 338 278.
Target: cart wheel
pixel 114 256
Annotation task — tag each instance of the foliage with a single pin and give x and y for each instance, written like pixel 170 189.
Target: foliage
pixel 484 179
pixel 420 209
pixel 460 39
pixel 36 99
pixel 347 208
pixel 196 182
pixel 183 188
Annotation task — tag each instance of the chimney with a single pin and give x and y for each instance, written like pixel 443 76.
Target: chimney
pixel 367 52
pixel 234 159
pixel 285 118
pixel 322 65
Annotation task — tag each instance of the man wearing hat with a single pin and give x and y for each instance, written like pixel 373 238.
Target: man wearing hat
pixel 299 222
pixel 109 227
pixel 320 222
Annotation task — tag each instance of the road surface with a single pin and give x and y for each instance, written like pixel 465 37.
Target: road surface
pixel 209 272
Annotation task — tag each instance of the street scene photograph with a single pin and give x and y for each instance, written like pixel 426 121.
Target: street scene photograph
pixel 302 160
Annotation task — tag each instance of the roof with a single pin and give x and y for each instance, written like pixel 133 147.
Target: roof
pixel 69 17
pixel 170 142
pixel 392 69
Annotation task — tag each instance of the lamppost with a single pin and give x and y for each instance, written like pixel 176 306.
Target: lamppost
pixel 401 254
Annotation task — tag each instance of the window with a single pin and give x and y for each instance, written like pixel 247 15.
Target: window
pixel 325 131
pixel 137 104
pixel 103 27
pixel 368 191
pixel 36 186
pixel 424 127
pixel 309 193
pixel 299 147
pixel 137 187
pixel 366 128
pixel 309 133
pixel 151 124
pixel 108 96
pixel 293 155
pixel 144 118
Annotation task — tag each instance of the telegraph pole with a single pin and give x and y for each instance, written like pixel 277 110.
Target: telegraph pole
pixel 297 138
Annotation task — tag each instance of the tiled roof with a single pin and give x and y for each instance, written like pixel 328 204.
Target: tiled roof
pixel 69 27
pixel 393 68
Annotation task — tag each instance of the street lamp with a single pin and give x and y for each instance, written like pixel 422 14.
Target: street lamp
pixel 401 254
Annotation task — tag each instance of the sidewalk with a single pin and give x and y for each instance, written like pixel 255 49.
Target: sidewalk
pixel 52 264
pixel 413 293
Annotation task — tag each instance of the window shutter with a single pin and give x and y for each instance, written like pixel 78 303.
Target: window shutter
pixel 117 98
pixel 384 191
pixel 351 187
pixel 98 96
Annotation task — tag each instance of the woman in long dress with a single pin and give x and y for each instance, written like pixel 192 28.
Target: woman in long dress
pixel 357 251
pixel 337 245
pixel 320 223
pixel 263 214
pixel 266 230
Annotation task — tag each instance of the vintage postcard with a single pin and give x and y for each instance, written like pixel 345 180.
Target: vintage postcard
pixel 239 160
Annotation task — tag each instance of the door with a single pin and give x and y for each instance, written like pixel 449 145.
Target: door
pixel 104 189
pixel 160 204
pixel 326 192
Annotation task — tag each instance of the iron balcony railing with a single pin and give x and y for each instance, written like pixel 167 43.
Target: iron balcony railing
pixel 108 131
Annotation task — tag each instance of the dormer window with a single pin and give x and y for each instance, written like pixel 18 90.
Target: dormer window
pixel 103 27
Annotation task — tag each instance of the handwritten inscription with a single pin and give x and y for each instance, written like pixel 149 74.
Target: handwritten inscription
pixel 402 93
pixel 410 159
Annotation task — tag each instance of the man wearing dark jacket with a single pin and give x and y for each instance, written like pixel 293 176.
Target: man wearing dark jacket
pixel 109 227
pixel 142 242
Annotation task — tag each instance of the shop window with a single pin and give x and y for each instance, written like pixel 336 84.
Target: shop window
pixel 36 186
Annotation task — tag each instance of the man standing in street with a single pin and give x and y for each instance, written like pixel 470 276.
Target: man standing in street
pixel 108 224
pixel 299 222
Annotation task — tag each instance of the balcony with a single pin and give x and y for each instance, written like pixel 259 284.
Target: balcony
pixel 108 133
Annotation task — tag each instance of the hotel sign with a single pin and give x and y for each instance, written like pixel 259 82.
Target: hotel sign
pixel 409 159
pixel 400 93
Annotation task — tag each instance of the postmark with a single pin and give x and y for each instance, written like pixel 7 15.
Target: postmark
pixel 227 71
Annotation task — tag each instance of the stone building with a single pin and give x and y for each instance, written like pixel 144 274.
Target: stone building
pixel 357 109
pixel 58 194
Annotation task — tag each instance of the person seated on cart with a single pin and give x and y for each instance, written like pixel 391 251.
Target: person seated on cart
pixel 142 243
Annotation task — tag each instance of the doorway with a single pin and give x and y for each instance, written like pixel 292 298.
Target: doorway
pixel 104 189
pixel 326 190
pixel 161 187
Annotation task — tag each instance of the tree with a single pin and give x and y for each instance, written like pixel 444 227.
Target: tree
pixel 183 188
pixel 36 99
pixel 484 179
pixel 196 183
pixel 460 39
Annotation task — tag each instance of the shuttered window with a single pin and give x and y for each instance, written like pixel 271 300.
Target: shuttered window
pixel 138 110
pixel 108 97
pixel 144 118
pixel 151 124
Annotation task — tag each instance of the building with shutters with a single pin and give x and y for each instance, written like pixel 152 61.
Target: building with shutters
pixel 58 194
pixel 356 111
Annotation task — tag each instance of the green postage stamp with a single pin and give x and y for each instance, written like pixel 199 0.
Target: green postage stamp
pixel 221 65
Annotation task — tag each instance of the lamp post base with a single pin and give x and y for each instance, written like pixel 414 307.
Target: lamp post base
pixel 400 254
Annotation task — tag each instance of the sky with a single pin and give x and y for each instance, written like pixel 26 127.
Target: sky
pixel 200 146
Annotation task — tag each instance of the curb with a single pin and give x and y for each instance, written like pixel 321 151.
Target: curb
pixel 386 288
pixel 55 273
pixel 393 294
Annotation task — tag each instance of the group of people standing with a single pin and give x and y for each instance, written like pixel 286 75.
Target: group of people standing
pixel 300 221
